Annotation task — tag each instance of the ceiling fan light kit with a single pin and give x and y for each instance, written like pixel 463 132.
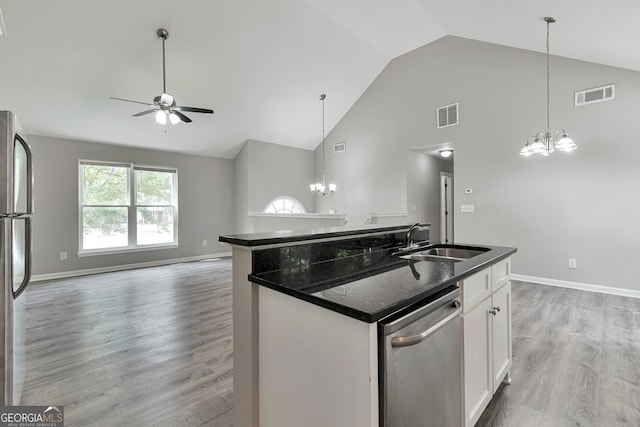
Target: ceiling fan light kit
pixel 165 105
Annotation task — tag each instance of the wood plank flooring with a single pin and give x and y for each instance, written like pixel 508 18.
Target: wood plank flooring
pixel 153 347
pixel 576 360
pixel 134 348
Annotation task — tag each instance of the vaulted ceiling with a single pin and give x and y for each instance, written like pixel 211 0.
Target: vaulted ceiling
pixel 260 64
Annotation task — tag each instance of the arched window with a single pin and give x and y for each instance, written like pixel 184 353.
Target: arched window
pixel 284 205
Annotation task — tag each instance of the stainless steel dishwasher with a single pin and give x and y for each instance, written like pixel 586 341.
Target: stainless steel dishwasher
pixel 420 364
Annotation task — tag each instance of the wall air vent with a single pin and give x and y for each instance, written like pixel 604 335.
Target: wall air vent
pixel 447 115
pixel 339 148
pixel 598 94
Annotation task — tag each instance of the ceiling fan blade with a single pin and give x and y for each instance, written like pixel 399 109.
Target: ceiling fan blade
pixel 142 113
pixel 128 100
pixel 194 110
pixel 182 116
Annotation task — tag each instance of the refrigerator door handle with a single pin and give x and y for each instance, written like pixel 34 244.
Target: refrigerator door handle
pixel 27 256
pixel 29 159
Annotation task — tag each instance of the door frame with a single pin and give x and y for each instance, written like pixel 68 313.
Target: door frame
pixel 446 207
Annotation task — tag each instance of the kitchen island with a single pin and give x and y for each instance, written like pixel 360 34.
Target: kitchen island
pixel 306 307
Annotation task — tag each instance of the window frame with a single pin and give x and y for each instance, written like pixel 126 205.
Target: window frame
pixel 132 208
pixel 295 202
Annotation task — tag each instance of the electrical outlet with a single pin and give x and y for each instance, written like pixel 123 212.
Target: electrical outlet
pixel 63 256
pixel 204 243
pixel 573 263
pixel 467 208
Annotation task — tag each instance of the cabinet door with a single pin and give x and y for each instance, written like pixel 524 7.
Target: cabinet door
pixel 501 334
pixel 478 380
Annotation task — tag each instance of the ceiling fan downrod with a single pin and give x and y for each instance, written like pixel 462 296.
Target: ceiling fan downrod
pixel 164 35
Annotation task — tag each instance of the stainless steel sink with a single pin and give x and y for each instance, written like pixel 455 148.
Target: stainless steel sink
pixel 445 252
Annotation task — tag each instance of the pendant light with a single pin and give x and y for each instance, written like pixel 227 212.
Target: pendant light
pixel 322 187
pixel 546 142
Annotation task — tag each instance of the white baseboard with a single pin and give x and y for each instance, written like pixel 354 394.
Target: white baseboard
pixel 65 274
pixel 576 285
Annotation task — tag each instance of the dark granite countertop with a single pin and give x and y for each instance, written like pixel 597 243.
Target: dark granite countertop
pixel 292 236
pixel 369 287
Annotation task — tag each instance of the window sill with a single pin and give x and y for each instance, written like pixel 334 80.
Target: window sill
pixel 114 251
pixel 299 215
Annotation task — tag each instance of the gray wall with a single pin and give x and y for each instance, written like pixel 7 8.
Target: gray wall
pixel 205 192
pixel 580 205
pixel 265 171
pixel 241 189
pixel 423 189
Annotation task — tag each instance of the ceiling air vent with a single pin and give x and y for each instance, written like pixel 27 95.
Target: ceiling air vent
pixel 339 148
pixel 598 94
pixel 447 115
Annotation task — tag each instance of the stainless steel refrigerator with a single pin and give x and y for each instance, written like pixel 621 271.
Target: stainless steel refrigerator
pixel 16 208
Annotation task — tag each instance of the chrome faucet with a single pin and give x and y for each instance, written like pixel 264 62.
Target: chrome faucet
pixel 409 239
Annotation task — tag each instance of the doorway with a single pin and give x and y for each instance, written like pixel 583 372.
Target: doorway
pixel 446 207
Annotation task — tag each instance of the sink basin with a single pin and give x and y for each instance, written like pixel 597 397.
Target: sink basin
pixel 445 252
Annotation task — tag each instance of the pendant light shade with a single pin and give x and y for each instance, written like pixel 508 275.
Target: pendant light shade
pixel 161 117
pixel 545 142
pixel 322 187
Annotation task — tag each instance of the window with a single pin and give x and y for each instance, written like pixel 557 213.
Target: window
pixel 126 206
pixel 284 205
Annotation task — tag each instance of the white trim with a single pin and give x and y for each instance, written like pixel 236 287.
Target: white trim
pixel 110 269
pixel 305 215
pixel 131 206
pixel 580 286
pixel 126 249
pixel 388 214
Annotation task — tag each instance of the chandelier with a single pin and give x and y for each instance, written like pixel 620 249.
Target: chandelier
pixel 322 187
pixel 546 142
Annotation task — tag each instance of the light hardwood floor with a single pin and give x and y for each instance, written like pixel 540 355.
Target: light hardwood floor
pixel 148 347
pixel 576 360
pixel 152 347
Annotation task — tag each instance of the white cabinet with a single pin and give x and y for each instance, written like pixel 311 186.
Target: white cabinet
pixel 501 331
pixel 477 375
pixel 486 318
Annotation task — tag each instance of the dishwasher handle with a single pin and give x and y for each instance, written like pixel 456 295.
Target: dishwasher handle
pixel 416 339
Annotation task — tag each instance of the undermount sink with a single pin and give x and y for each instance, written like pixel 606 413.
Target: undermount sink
pixel 444 252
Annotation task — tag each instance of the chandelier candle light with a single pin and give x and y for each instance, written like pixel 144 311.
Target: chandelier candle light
pixel 322 187
pixel 547 142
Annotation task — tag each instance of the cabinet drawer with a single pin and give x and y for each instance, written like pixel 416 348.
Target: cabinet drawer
pixel 475 289
pixel 500 274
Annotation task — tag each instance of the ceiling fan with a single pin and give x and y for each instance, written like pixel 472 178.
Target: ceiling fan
pixel 165 105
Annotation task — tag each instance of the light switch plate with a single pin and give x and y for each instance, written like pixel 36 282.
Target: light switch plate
pixel 467 208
